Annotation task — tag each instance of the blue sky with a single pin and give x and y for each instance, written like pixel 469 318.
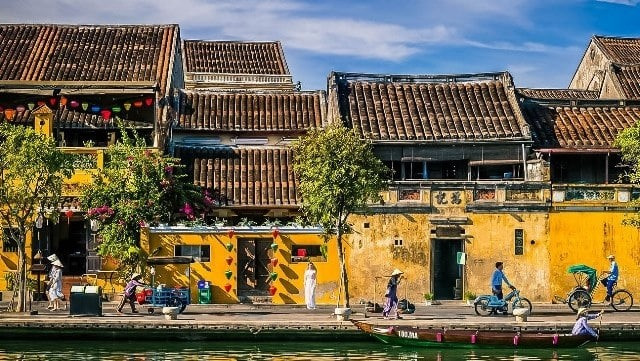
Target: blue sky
pixel 539 41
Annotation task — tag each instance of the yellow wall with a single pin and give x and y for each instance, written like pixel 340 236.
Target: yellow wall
pixel 289 282
pixel 588 238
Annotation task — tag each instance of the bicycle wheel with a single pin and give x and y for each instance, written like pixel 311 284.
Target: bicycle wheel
pixel 482 307
pixel 523 303
pixel 622 300
pixel 579 298
pixel 175 302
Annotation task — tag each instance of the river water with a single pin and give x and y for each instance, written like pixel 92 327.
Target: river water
pixel 114 350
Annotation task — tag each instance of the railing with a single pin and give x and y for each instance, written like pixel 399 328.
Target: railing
pixel 238 78
pixel 592 194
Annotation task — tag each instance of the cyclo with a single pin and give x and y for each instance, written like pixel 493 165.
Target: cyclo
pixel 587 282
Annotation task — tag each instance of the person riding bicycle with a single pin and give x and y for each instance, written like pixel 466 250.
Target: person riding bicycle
pixel 496 281
pixel 611 277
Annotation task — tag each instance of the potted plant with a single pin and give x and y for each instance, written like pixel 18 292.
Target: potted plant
pixel 469 297
pixel 428 298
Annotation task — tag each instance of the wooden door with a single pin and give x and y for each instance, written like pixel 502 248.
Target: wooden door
pixel 253 265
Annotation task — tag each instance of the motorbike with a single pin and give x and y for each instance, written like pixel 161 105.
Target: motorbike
pixel 486 305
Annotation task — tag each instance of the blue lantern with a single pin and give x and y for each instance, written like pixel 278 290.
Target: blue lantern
pixel 95 108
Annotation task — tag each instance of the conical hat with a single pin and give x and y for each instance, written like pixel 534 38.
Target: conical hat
pixel 53 258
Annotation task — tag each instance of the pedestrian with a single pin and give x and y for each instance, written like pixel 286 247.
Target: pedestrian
pixel 129 293
pixel 611 277
pixel 391 294
pixel 581 326
pixel 497 278
pixel 55 284
pixel 310 282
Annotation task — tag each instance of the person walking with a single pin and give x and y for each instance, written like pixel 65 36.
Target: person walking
pixel 391 294
pixel 129 293
pixel 581 327
pixel 611 277
pixel 55 284
pixel 310 282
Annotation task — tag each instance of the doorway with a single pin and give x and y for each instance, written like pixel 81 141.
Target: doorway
pixel 253 266
pixel 69 242
pixel 445 269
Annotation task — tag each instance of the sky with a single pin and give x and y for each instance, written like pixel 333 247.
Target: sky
pixel 539 41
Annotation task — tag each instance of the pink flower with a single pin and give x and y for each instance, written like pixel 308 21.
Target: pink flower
pixel 187 210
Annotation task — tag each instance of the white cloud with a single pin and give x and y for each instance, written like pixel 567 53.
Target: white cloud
pixel 621 2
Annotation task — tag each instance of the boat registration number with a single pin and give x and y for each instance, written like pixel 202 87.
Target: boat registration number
pixel 408 334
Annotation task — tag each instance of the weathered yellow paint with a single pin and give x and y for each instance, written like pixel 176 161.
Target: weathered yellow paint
pixel 289 283
pixel 588 238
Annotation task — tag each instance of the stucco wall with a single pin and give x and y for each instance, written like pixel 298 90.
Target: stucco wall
pixel 593 63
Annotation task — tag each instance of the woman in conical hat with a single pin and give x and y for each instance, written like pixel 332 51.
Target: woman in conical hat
pixel 55 285
pixel 391 300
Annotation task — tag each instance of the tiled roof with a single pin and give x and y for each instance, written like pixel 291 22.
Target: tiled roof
pixel 115 53
pixel 264 112
pixel 628 78
pixel 234 57
pixel 562 94
pixel 583 127
pixel 431 108
pixel 65 118
pixel 250 176
pixel 620 50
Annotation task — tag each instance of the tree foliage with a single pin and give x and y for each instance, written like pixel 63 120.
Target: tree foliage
pixel 339 175
pixel 628 140
pixel 138 186
pixel 32 171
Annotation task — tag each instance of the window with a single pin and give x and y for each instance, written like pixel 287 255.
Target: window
pixel 519 241
pixel 396 171
pixel 306 253
pixel 415 170
pixel 200 253
pixel 8 245
pixel 397 242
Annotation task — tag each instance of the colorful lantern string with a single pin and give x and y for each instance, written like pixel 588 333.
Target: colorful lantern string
pixel 9 114
pixel 116 109
pixel 53 101
pixel 137 103
pixel 68 213
pixel 95 108
pixel 63 101
pixel 148 101
pixel 74 103
pixel 106 114
pixel 127 106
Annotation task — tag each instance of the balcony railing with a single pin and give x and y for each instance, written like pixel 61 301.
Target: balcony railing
pixel 567 195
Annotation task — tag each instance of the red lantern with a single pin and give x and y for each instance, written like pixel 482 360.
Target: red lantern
pixel 231 233
pixel 274 262
pixel 41 103
pixel 272 290
pixel 275 233
pixel 229 260
pixel 227 287
pixel 69 214
pixel 137 103
pixel 148 101
pixel 53 101
pixel 141 298
pixel 106 114
pixel 9 114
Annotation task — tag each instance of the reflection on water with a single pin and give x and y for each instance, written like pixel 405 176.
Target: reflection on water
pixel 165 350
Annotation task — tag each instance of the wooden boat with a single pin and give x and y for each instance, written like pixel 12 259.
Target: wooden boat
pixel 443 338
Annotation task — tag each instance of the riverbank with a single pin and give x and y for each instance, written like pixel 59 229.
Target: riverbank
pixel 288 323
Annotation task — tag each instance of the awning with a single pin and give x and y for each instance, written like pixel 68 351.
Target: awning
pixel 475 163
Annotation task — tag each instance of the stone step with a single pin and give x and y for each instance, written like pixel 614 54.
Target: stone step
pixel 255 299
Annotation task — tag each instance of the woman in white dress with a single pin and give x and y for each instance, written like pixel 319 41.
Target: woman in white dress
pixel 310 282
pixel 55 285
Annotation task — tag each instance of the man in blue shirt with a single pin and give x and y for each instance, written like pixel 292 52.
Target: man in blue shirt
pixel 612 277
pixel 496 280
pixel 582 327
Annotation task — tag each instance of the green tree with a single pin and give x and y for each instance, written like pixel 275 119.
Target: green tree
pixel 339 175
pixel 32 171
pixel 628 140
pixel 138 186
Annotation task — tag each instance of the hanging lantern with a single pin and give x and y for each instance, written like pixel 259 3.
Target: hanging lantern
pixel 63 101
pixel 95 108
pixel 116 109
pixel 229 260
pixel 53 101
pixel 275 233
pixel 39 221
pixel 274 246
pixel 231 233
pixel 106 114
pixel 41 103
pixel 273 276
pixel 148 101
pixel 227 287
pixel 85 106
pixel 274 262
pixel 69 214
pixel 9 114
pixel 272 290
pixel 74 103
pixel 31 106
pixel 20 108
pixel 127 106
pixel 228 246
pixel 137 103
pixel 228 274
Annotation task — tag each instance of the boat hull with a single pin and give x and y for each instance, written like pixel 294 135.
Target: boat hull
pixel 441 338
